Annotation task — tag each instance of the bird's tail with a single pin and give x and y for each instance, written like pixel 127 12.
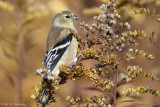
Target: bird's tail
pixel 44 98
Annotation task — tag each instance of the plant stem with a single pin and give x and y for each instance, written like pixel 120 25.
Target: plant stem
pixel 21 57
pixel 115 86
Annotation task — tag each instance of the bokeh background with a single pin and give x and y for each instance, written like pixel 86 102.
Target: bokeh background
pixel 24 26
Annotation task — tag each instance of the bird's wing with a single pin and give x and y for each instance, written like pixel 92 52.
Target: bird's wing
pixel 54 54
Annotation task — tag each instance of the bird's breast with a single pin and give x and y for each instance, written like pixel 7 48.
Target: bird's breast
pixel 70 53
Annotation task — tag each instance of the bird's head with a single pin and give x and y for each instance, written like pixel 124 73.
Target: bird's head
pixel 64 19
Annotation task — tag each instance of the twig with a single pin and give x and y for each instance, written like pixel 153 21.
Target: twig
pixel 115 85
pixel 21 55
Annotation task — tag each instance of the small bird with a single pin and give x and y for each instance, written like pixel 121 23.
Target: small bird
pixel 61 46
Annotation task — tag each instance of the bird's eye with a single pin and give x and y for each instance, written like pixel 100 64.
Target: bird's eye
pixel 67 16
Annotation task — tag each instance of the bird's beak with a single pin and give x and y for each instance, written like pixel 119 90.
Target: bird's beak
pixel 75 17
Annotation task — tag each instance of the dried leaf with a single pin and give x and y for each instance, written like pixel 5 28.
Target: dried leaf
pixel 28 47
pixel 8 40
pixel 127 101
pixel 10 56
pixel 8 74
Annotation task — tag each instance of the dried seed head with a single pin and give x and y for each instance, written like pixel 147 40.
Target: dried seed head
pixel 95 17
pixel 130 50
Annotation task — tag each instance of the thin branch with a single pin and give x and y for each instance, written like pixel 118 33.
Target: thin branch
pixel 9 55
pixel 115 85
pixel 10 41
pixel 123 81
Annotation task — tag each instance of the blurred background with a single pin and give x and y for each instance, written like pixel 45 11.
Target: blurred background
pixel 24 27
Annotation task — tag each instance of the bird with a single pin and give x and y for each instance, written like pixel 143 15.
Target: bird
pixel 61 45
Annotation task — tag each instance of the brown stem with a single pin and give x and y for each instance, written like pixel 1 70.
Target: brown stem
pixel 21 57
pixel 20 77
pixel 115 88
pixel 123 81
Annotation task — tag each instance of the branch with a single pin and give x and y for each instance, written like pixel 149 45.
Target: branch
pixel 8 55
